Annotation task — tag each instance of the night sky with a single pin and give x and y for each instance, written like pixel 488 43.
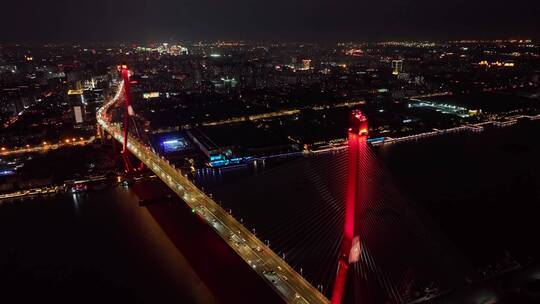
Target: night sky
pixel 265 20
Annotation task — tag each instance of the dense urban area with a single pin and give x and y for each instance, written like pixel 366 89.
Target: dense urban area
pixel 223 103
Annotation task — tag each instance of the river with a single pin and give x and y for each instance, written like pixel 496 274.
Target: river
pixel 477 194
pixel 94 247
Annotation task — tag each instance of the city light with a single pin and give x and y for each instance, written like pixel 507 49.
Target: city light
pixel 151 95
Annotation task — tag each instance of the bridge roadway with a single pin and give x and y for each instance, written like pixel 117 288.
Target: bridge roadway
pixel 290 285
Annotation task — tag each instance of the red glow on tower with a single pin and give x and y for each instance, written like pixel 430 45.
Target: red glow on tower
pixel 358 123
pixel 125 77
pixel 351 245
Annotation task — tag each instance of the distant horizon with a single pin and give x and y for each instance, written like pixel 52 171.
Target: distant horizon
pixel 253 41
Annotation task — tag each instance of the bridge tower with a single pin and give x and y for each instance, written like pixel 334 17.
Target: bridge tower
pixel 351 247
pixel 124 71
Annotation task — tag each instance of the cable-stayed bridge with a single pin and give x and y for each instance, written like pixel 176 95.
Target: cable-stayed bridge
pixel 365 246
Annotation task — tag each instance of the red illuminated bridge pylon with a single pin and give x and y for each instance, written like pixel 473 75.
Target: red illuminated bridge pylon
pixel 123 69
pixel 351 247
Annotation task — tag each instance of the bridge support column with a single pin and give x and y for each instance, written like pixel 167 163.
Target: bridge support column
pixel 128 111
pixel 351 246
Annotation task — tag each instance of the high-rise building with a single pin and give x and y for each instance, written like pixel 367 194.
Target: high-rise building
pixel 397 67
pixel 77 110
pixel 76 101
pixel 306 64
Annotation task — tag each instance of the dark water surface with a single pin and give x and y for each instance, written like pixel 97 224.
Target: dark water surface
pixel 94 247
pixel 483 190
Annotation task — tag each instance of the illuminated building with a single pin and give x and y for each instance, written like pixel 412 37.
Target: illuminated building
pixel 354 52
pixel 77 110
pixel 397 67
pixel 174 143
pixel 177 50
pixel 150 95
pixel 214 154
pixel 77 102
pixel 306 64
pixel 506 64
